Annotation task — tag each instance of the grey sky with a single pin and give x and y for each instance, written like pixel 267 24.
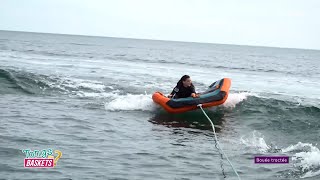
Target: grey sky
pixel 280 23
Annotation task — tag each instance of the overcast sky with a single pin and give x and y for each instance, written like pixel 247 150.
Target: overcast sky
pixel 279 23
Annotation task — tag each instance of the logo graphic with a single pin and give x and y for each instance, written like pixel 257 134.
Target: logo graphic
pixel 41 159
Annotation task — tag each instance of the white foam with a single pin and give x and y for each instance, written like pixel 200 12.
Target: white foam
pixel 256 141
pixel 307 158
pixel 74 85
pixel 144 102
pixel 235 98
pixel 94 86
pixel 309 161
pixel 311 174
pixel 298 147
pixel 131 102
pixel 90 84
pixel 98 94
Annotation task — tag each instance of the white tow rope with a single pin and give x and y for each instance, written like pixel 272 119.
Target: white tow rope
pixel 215 136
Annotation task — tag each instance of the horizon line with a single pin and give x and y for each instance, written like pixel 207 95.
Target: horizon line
pixel 260 46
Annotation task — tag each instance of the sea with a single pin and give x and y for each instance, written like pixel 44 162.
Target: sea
pixel 91 99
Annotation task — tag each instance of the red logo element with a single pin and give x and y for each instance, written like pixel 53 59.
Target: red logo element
pixel 38 163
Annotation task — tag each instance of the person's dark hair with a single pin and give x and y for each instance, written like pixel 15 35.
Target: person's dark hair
pixel 183 78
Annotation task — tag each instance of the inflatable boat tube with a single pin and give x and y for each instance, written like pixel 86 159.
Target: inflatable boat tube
pixel 216 94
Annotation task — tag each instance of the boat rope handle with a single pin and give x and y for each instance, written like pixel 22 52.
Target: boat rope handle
pixel 215 136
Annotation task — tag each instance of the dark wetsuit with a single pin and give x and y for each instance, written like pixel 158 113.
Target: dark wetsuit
pixel 184 92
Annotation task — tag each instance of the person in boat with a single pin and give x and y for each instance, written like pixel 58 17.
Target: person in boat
pixel 184 89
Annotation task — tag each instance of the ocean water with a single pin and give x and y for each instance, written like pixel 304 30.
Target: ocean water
pixel 90 98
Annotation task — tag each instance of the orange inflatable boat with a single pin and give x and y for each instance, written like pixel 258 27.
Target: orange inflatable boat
pixel 216 94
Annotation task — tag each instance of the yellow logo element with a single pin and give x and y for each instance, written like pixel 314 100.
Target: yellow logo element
pixel 57 157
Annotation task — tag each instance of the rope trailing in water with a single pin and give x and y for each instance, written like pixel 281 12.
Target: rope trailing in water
pixel 215 136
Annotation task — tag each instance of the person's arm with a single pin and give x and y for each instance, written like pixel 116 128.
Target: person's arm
pixel 172 93
pixel 193 89
pixel 194 94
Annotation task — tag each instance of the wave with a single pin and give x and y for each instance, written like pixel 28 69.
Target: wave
pixel 286 106
pixel 143 102
pixel 245 102
pixel 16 81
pixel 120 97
pixel 12 83
pixel 305 156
